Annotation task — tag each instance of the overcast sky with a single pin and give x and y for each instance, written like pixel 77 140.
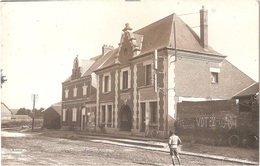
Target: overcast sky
pixel 39 40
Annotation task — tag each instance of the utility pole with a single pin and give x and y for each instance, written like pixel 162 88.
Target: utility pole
pixel 34 96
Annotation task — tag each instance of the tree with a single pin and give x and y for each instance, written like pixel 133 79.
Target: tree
pixel 2 78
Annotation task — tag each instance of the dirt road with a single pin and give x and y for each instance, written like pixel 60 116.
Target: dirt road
pixel 50 148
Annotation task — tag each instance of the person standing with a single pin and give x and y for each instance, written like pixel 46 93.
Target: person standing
pixel 173 143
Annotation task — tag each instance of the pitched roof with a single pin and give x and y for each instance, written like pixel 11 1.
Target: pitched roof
pixel 252 90
pixel 56 107
pixel 85 65
pixel 160 34
pixel 103 61
pixel 5 109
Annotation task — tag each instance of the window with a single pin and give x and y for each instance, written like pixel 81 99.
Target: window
pixel 106 83
pixel 66 93
pixel 125 79
pixel 109 108
pixel 148 74
pixel 214 77
pixel 63 114
pixel 75 90
pixel 74 115
pixel 153 112
pixel 103 113
pixel 85 87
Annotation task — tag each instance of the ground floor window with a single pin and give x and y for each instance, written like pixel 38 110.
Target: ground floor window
pixel 153 112
pixel 106 114
pixel 74 115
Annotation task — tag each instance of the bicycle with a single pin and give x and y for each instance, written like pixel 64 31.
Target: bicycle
pixel 102 128
pixel 151 133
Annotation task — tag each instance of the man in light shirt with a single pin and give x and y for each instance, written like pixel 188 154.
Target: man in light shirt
pixel 173 143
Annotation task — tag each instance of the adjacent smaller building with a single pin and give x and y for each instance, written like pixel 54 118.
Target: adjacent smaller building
pixel 249 98
pixel 52 117
pixel 6 113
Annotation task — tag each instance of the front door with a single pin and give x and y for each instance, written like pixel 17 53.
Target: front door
pixel 126 119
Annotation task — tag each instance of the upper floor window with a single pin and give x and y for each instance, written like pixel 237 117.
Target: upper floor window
pixel 75 90
pixel 66 93
pixel 148 74
pixel 125 78
pixel 214 77
pixel 106 83
pixel 85 87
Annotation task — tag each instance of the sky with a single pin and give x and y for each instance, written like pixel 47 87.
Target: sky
pixel 39 40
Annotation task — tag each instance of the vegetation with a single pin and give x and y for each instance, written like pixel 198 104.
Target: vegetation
pixel 2 78
pixel 37 113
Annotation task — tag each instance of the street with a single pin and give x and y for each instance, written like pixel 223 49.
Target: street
pixel 59 148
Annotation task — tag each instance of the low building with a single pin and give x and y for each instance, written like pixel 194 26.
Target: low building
pixel 249 98
pixel 6 113
pixel 52 117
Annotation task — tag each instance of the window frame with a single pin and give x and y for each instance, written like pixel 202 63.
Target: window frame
pixel 125 84
pixel 66 93
pixel 148 75
pixel 106 86
pixel 75 91
pixel 74 114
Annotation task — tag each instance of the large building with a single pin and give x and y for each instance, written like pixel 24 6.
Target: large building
pixel 138 85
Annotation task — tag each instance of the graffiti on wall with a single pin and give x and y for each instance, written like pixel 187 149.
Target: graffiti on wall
pixel 227 121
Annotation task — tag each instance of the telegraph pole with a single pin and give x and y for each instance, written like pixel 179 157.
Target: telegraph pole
pixel 34 96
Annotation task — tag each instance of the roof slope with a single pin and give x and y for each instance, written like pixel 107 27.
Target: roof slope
pixel 5 110
pixel 161 34
pixel 56 107
pixel 105 60
pixel 249 91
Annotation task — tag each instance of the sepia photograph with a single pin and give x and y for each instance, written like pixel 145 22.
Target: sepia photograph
pixel 129 82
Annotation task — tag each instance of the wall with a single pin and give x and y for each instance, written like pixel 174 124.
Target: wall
pixel 203 121
pixel 193 79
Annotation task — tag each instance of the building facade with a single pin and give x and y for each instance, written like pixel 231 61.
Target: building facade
pixel 139 84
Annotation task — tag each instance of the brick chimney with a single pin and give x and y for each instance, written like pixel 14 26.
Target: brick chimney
pixel 204 27
pixel 106 48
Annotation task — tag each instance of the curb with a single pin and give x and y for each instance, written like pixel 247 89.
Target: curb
pixel 166 150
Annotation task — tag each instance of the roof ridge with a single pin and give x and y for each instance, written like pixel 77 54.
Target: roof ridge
pixel 154 23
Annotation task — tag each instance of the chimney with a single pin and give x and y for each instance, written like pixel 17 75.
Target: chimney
pixel 106 49
pixel 204 27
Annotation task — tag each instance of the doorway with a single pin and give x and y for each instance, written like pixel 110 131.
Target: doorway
pixel 126 119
